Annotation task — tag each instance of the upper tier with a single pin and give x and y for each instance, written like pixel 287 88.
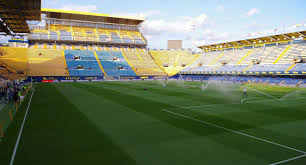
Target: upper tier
pixel 90 35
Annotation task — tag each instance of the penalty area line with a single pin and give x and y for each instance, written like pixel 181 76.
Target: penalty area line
pixel 210 105
pixel 288 160
pixel 237 132
pixel 248 99
pixel 21 128
pixel 247 102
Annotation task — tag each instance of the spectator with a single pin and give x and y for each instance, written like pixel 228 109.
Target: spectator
pixel 11 95
pixel 15 95
pixel 2 96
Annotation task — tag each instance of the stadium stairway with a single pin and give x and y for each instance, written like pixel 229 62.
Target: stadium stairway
pixel 99 62
pixel 114 63
pixel 281 55
pixel 82 63
pixel 212 63
pixel 239 62
pixel 173 61
pixel 287 70
pixel 142 62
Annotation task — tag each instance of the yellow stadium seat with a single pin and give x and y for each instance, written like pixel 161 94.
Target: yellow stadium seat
pixel 173 61
pixel 143 63
pixel 46 63
pixel 15 58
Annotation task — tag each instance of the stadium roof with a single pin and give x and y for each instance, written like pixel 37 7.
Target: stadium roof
pixel 94 17
pixel 256 41
pixel 14 13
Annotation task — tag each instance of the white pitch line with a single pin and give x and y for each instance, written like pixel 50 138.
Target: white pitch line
pixel 208 105
pixel 240 133
pixel 21 129
pixel 248 99
pixel 275 100
pixel 288 160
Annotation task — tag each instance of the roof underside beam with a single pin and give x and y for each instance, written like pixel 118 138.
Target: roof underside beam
pixel 302 34
pixel 14 14
pixel 266 39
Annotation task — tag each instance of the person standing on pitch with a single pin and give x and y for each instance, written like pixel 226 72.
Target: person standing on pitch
pixel 244 94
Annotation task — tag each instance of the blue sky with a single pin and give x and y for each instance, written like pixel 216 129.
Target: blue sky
pixel 215 20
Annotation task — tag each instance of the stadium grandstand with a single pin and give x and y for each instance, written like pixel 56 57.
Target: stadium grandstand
pixel 65 44
pixel 78 44
pixel 86 88
pixel 282 54
pixel 14 14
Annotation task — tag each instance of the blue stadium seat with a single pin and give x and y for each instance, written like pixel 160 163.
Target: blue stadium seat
pixel 86 64
pixel 85 73
pixel 115 64
pixel 120 72
pixel 84 54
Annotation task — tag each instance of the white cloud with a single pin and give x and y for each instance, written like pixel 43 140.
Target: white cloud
pixel 144 14
pixel 254 26
pixel 220 8
pixel 252 12
pixel 228 19
pixel 157 29
pixel 207 36
pixel 81 8
pixel 182 25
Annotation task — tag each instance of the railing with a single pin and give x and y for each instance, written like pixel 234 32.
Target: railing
pixel 45 36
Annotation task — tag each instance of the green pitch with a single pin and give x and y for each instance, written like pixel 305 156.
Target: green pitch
pixel 169 123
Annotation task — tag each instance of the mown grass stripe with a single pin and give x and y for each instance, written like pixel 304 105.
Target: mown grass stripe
pixel 135 103
pixel 237 132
